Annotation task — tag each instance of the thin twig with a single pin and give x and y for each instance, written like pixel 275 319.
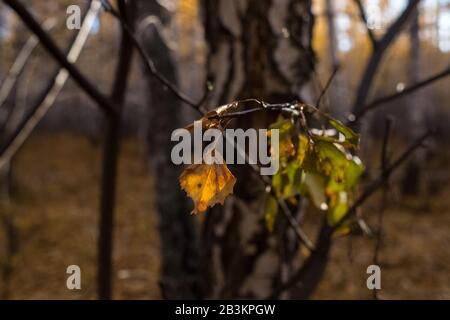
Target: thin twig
pixel 382 179
pixel 301 235
pixel 368 76
pixel 378 102
pixel 362 14
pixel 103 101
pixel 151 65
pixel 21 61
pixel 49 95
pixel 13 75
pixel 327 85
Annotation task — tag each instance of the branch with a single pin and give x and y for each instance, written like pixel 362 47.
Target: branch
pixel 372 66
pixel 151 65
pixel 103 102
pixel 382 179
pixel 301 235
pixel 13 75
pixel 327 85
pixel 370 34
pixel 378 102
pixel 20 62
pixel 50 93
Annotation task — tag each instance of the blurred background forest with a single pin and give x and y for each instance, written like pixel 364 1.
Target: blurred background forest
pixel 50 189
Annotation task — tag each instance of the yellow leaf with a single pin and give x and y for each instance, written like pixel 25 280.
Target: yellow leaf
pixel 303 146
pixel 286 147
pixel 271 211
pixel 207 184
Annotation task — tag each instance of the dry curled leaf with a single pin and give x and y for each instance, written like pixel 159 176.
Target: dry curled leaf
pixel 212 119
pixel 207 184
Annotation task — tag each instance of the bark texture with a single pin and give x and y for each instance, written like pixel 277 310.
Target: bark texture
pixel 259 49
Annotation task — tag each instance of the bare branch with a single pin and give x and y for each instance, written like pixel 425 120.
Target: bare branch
pixel 13 76
pixel 362 14
pixel 382 179
pixel 380 101
pixel 51 92
pixel 20 62
pixel 327 85
pixel 372 66
pixel 151 65
pixel 103 102
pixel 301 235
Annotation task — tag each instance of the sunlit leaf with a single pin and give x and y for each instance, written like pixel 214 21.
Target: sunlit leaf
pixel 339 205
pixel 207 184
pixel 316 189
pixel 303 147
pixel 332 161
pixel 349 134
pixel 286 146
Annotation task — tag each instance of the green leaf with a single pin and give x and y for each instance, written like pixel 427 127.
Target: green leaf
pixel 339 208
pixel 353 172
pixel 316 190
pixel 342 172
pixel 320 168
pixel 350 136
pixel 302 150
pixel 332 161
pixel 286 146
pixel 287 182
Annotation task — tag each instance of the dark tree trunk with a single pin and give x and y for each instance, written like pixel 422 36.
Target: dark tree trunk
pixel 413 178
pixel 259 49
pixel 110 159
pixel 179 250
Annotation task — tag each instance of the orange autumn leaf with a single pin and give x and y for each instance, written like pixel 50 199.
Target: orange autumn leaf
pixel 207 184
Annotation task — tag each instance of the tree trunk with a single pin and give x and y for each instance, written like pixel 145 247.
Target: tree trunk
pixel 111 150
pixel 179 250
pixel 259 49
pixel 335 97
pixel 412 179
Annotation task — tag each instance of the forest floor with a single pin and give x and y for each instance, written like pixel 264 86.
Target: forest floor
pixel 53 214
